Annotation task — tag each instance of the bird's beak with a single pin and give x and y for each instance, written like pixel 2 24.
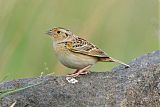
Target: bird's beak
pixel 50 33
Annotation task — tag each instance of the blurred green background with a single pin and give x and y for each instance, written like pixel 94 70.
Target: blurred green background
pixel 125 29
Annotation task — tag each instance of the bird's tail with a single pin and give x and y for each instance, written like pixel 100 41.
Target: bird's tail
pixel 109 59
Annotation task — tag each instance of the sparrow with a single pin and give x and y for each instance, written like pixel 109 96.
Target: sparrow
pixel 77 53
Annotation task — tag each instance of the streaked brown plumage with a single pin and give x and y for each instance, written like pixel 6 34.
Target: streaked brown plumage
pixel 77 53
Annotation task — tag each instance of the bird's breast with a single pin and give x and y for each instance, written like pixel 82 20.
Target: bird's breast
pixel 71 59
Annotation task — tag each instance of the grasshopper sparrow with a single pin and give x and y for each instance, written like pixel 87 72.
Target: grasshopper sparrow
pixel 77 53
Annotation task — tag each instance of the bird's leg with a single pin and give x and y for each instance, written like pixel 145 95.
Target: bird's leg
pixel 79 72
pixel 82 73
pixel 85 72
pixel 75 71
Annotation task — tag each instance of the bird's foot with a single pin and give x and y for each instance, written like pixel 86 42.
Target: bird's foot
pixel 76 74
pixel 80 72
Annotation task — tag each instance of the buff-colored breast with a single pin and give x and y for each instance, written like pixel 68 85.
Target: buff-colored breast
pixel 71 59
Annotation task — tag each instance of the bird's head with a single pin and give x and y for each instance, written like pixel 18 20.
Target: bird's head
pixel 59 34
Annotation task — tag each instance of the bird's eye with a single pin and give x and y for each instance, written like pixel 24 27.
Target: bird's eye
pixel 58 32
pixel 66 34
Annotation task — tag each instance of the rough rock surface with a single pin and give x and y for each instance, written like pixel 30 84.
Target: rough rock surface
pixel 138 86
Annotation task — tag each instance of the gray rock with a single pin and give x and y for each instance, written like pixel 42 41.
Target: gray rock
pixel 138 86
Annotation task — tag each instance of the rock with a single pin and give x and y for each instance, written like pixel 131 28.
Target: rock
pixel 137 86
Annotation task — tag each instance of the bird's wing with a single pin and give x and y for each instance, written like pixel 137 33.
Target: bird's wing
pixel 79 45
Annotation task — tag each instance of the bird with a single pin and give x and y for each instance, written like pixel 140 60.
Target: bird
pixel 77 53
